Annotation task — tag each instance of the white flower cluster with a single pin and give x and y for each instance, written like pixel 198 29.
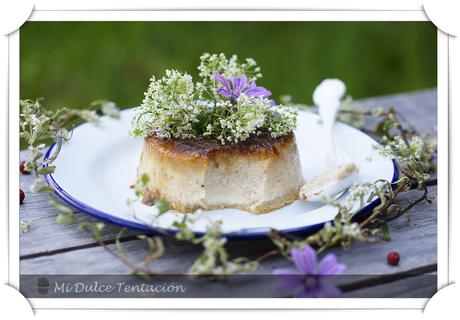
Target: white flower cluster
pixel 174 107
pixel 352 230
pixel 282 120
pixel 168 109
pixel 210 63
pixel 387 147
pixel 413 155
pixel 248 117
pixel 415 147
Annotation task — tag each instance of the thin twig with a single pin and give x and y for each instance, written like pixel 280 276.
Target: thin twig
pixel 382 208
pixel 267 255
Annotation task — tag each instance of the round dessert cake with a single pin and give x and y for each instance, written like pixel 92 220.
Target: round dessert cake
pixel 258 175
pixel 219 142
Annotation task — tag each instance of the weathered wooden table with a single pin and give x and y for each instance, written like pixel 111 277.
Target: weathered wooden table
pixel 50 248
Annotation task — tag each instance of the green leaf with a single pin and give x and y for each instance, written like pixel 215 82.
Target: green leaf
pixel 178 225
pixel 94 228
pixel 151 244
pixel 386 232
pixel 35 156
pixel 25 225
pixel 163 206
pixel 145 179
pixel 407 216
pixel 66 219
pixel 99 227
pixel 63 208
pixel 42 189
pixel 118 244
pixel 86 226
pixel 46 170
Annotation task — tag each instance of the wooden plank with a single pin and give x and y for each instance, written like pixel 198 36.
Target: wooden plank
pixel 415 241
pixel 422 286
pixel 418 108
pixel 45 234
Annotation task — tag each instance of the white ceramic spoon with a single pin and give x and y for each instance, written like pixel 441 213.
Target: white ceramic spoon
pixel 338 174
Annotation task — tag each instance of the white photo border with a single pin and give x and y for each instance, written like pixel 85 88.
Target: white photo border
pixel 233 15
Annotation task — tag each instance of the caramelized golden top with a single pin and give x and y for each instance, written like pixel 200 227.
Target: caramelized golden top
pixel 205 148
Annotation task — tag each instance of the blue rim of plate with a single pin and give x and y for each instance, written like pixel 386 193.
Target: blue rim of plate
pixel 246 233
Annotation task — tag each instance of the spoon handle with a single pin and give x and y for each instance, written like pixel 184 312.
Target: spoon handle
pixel 328 114
pixel 327 97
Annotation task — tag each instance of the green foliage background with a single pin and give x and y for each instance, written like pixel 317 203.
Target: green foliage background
pixel 74 63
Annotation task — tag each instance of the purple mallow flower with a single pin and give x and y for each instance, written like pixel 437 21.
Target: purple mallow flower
pixel 237 85
pixel 308 279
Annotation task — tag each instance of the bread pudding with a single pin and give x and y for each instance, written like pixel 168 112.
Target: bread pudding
pixel 258 175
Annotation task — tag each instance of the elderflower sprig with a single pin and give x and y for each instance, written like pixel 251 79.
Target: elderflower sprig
pixel 414 155
pixel 38 126
pixel 210 63
pixel 214 260
pixel 226 104
pixel 168 109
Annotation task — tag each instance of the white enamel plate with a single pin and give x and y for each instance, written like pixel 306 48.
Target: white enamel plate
pixel 96 167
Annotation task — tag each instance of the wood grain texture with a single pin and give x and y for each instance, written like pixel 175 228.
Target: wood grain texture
pixel 418 108
pixel 415 240
pixel 51 248
pixel 44 233
pixel 422 286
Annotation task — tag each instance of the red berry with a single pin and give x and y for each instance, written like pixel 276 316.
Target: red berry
pixel 22 196
pixel 22 167
pixel 393 258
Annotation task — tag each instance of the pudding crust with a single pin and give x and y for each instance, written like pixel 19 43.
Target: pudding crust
pixel 203 149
